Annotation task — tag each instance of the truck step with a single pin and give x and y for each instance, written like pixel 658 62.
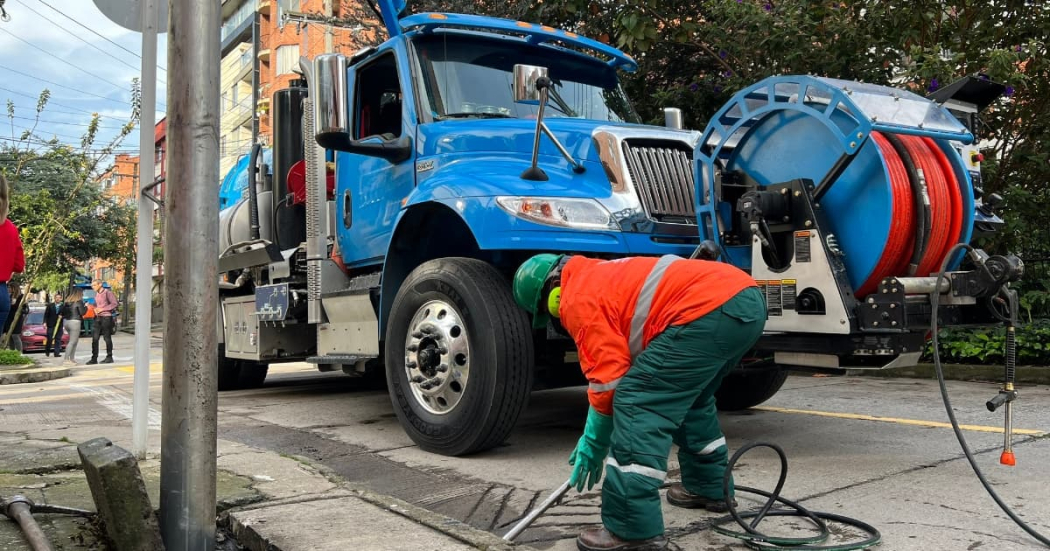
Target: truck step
pixel 339 358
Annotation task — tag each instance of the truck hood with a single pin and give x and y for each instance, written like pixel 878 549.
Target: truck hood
pixel 486 158
pixel 514 137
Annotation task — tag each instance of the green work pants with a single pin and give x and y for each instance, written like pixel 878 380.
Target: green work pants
pixel 669 395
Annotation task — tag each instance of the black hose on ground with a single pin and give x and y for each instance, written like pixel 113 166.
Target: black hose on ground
pixel 935 304
pixel 758 540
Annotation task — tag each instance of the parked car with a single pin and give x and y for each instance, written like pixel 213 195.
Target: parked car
pixel 34 332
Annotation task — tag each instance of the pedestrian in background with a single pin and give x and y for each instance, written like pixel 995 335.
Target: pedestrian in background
pixel 105 309
pixel 12 257
pixel 53 323
pixel 72 315
pixel 655 338
pixel 89 318
pixel 14 319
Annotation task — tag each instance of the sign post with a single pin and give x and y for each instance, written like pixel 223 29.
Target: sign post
pixel 145 17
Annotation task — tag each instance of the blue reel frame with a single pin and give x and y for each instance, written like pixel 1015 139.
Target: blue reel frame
pixel 844 114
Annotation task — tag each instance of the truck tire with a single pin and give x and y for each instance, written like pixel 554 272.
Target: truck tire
pixel 744 388
pixel 240 374
pixel 459 356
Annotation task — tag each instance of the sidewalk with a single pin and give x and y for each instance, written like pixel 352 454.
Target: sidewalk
pixel 1026 374
pixel 17 374
pixel 267 501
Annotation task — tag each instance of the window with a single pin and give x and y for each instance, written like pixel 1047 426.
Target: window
pixel 290 5
pixel 222 146
pixel 471 77
pixel 285 6
pixel 234 96
pixel 378 103
pixel 238 17
pixel 287 58
pixel 225 100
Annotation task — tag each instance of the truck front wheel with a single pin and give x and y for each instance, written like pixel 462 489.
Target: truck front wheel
pixel 459 356
pixel 747 387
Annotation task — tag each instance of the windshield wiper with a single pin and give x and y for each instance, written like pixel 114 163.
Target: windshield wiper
pixel 471 115
pixel 561 105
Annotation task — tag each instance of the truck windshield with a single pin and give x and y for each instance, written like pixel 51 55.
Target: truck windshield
pixel 472 76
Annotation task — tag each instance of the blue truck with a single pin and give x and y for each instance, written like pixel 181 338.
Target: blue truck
pixel 408 181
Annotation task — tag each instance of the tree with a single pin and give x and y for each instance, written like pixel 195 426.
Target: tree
pixel 63 218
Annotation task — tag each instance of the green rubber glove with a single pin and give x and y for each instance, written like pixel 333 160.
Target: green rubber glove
pixel 588 458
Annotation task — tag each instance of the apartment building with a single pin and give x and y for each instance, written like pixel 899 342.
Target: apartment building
pixel 262 41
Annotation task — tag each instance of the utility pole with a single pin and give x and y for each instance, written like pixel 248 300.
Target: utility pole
pixel 191 282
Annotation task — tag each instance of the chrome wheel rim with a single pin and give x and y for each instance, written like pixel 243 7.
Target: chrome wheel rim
pixel 437 357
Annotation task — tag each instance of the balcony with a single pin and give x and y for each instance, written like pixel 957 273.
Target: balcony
pixel 236 117
pixel 264 55
pixel 265 6
pixel 263 105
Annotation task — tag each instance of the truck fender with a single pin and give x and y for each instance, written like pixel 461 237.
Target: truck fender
pixel 423 231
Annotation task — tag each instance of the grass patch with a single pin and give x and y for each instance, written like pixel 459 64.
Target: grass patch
pixel 13 357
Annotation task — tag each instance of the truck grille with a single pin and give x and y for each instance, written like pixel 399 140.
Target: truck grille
pixel 662 173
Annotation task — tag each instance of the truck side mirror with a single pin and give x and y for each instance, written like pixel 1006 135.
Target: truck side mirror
pixel 329 93
pixel 328 90
pixel 525 89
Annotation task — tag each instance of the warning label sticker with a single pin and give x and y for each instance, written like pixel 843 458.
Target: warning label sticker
pixel 780 295
pixel 771 289
pixel 802 250
pixel 788 289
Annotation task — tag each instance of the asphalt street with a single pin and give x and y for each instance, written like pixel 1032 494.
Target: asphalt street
pixel 870 448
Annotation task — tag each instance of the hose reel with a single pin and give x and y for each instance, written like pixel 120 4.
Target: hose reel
pixel 894 190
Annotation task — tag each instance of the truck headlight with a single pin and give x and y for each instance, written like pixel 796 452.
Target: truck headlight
pixel 584 214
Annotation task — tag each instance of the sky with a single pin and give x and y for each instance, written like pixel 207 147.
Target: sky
pixel 87 62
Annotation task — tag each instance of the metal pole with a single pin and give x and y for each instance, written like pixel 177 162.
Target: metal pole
pixel 520 527
pixel 144 256
pixel 20 509
pixel 191 283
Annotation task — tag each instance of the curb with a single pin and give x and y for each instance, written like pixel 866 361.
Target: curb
pixel 1028 374
pixel 32 375
pixel 452 528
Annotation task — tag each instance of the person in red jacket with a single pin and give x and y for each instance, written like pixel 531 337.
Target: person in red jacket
pixel 12 257
pixel 655 338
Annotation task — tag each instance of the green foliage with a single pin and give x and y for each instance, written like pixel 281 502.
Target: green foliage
pixel 63 217
pixel 695 54
pixel 13 357
pixel 988 345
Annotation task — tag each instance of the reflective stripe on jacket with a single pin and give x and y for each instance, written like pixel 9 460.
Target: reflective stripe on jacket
pixel 614 308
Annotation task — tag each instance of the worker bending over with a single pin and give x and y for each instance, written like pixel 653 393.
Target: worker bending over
pixel 655 338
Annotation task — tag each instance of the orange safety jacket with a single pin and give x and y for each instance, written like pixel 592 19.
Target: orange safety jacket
pixel 614 308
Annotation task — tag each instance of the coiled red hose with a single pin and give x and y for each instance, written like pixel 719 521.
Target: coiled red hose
pixel 945 197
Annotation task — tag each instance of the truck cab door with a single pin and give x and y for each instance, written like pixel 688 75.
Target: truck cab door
pixel 371 188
